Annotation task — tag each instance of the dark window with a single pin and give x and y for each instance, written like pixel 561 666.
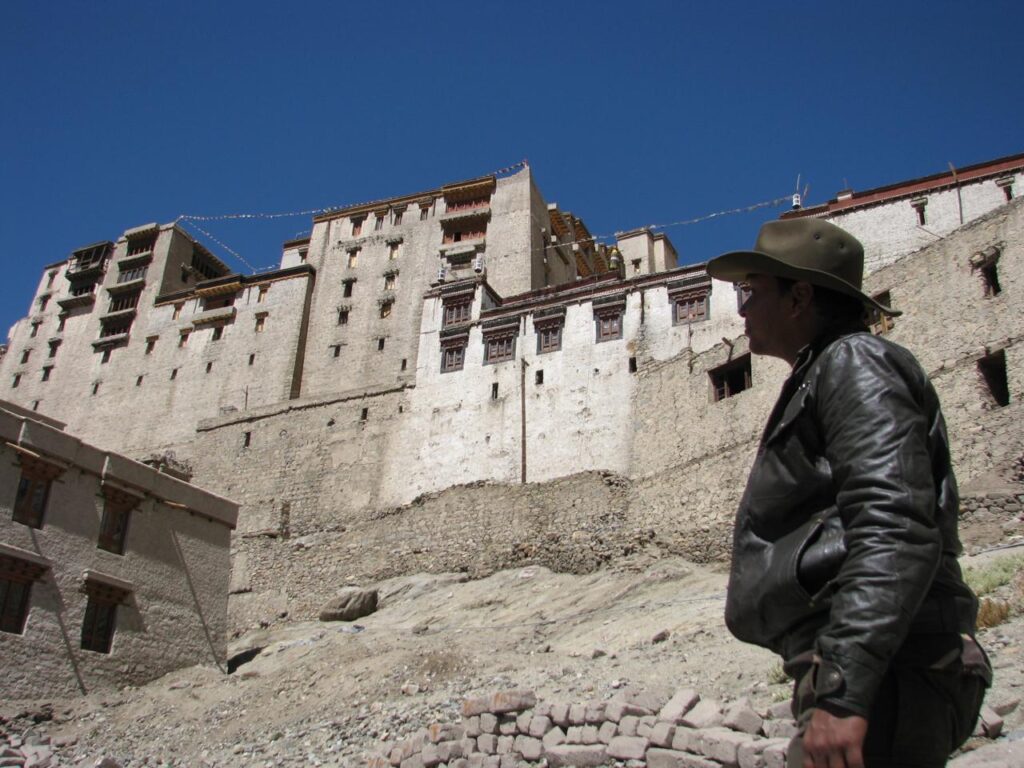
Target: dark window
pixel 43 301
pixel 14 602
pixel 549 337
pixel 174 374
pixel 993 372
pixel 35 405
pixel 98 625
pixel 46 372
pixel 25 356
pixel 919 209
pixel 457 312
pixel 380 344
pixel 632 365
pixel 50 278
pixel 150 345
pixel 132 273
pixel 117 507
pixel 140 245
pixel 96 388
pixel 105 357
pixel 303 255
pixel 424 212
pixel 252 358
pixel 128 301
pixel 138 381
pixel 398 217
pixel 689 308
pixel 357 227
pixel 61 321
pixel 219 302
pixel 990 274
pixel 378 222
pixel 16 381
pixel 609 325
pixel 337 350
pixel 261 323
pixel 346 291
pixel 30 503
pixel 218 332
pixel 365 414
pixel 405 363
pixel 385 308
pixel 494 391
pixel 35 330
pixel 246 439
pixel 453 357
pixel 209 366
pixel 342 317
pixel 498 348
pixel 538 376
pixel 730 378
pixel 390 280
pixel 879 322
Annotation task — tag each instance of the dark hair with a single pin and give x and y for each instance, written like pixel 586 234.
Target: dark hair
pixel 837 311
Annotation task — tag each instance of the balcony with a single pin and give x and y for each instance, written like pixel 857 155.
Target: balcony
pixel 81 300
pixel 219 314
pixel 481 211
pixel 81 270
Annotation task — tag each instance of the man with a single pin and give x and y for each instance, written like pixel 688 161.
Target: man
pixel 845 543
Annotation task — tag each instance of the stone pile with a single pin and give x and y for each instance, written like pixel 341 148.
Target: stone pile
pixel 29 750
pixel 510 729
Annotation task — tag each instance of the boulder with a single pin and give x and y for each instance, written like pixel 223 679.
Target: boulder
pixel 350 604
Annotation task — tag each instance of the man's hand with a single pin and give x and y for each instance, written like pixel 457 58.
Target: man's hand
pixel 834 742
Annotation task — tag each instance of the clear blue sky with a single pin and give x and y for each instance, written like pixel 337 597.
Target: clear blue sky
pixel 120 113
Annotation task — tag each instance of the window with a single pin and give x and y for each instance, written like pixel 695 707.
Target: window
pixel 138 381
pixel 538 376
pixel 494 391
pixel 353 258
pixel 33 491
pixel 50 278
pixel 549 336
pixel 342 317
pixel 117 506
pixel 132 273
pixel 919 204
pixel 35 329
pixel 61 321
pixel 140 245
pixel 303 255
pixel 43 301
pixel 636 266
pixel 336 348
pixel 390 280
pixel 209 366
pixel 246 439
pixel 262 295
pixel 96 388
pixel 261 323
pixel 54 346
pixel 385 308
pixel 25 355
pixel 183 338
pixel 632 365
pixel 116 327
pixel 689 308
pixel 15 590
pixel 393 251
pixel 405 363
pixel 1006 184
pixel 47 370
pixel 365 414
pixel 453 356
pixel 742 294
pixel 378 222
pixel 218 333
pixel 879 322
pixel 730 379
pixel 177 311
pixel 122 303
pixel 499 347
pixel 151 344
pixel 380 344
pixel 357 227
pixel 346 290
pixel 986 262
pixel 456 312
pixel 609 322
pixel 424 212
pixel 105 358
pixel 98 625
pixel 174 374
pixel 16 381
pixel 252 358
pixel 35 405
pixel 992 368
pixel 398 217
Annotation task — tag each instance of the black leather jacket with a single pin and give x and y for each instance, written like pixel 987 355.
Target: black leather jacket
pixel 845 542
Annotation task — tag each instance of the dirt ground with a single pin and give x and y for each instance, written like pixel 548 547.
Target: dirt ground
pixel 330 693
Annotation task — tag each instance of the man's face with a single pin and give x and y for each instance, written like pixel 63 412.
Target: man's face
pixel 767 315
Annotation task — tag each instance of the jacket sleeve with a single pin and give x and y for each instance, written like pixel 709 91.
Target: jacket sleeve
pixel 875 431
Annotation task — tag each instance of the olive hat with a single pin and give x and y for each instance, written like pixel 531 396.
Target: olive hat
pixel 808 249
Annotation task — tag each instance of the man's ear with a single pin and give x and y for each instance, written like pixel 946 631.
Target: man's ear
pixel 802 294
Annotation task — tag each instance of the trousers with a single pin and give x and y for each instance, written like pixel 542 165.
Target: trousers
pixel 925 708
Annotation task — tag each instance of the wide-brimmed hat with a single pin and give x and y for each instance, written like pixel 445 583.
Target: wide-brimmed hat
pixel 808 249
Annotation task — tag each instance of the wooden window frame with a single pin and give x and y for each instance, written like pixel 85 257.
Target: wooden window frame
pixel 117 508
pixel 34 488
pixel 730 378
pixel 499 347
pixel 453 356
pixel 608 323
pixel 690 307
pixel 549 336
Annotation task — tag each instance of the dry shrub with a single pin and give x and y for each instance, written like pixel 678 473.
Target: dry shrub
pixel 992 611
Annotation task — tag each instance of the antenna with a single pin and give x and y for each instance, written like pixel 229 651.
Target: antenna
pixel 797 200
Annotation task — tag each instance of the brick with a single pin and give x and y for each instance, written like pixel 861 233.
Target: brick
pixel 775 754
pixel 574 734
pixel 627 725
pixel 577 714
pixel 492 761
pixel 594 713
pixel 487 743
pixel 430 755
pixel 507 725
pixel 468 746
pixel 652 699
pixel 523 722
pixel 488 723
pixel 539 725
pixel 560 714
pixel 705 714
pixel 554 737
pixel 504 745
pixel 628 747
pixel 670 758
pixel 662 734
pixel 475 706
pixel 749 754
pixel 606 732
pixel 476 760
pixel 413 761
pixel 529 747
pixel 782 710
pixel 722 744
pixel 509 760
pixel 779 729
pixel 740 716
pixel 616 710
pixel 512 701
pixel 686 739
pixel 588 734
pixel 459 762
pixel 543 709
pixel 576 755
pixel 439 732
pixel 682 702
pixel 471 726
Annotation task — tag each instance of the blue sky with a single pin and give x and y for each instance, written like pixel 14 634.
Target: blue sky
pixel 631 114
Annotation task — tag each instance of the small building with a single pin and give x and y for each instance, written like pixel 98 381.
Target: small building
pixel 111 572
